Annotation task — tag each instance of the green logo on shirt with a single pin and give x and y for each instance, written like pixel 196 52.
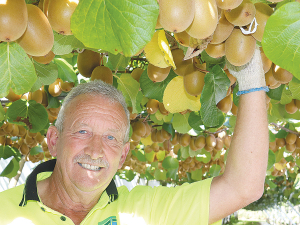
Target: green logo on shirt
pixel 112 220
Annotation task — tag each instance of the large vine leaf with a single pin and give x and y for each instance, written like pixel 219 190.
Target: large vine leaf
pixel 7 151
pixel 155 90
pixel 281 39
pixel 11 169
pixel 30 112
pixel 64 44
pixel 294 86
pixel 116 26
pixel 195 121
pixel 180 123
pixel 65 70
pixel 118 62
pixel 216 84
pixel 276 93
pixel 130 88
pixel 46 74
pixel 16 69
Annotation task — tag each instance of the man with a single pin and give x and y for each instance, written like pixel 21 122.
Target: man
pixel 90 141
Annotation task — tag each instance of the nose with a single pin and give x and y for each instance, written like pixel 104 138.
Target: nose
pixel 95 147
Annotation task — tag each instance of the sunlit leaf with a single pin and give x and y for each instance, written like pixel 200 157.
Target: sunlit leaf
pixel 64 44
pixel 180 123
pixel 11 169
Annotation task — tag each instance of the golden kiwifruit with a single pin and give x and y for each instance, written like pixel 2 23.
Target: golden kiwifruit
pixel 176 15
pixel 223 30
pixel 174 141
pixel 181 64
pixel 216 50
pixel 241 15
pixel 24 149
pixel 165 134
pixel 159 136
pixel 183 38
pixel 275 86
pixel 132 115
pixel 135 137
pixel 44 59
pixel 272 146
pixel 136 74
pixel 153 135
pixel 297 103
pixel 291 138
pixel 13 19
pixel 45 7
pixel 228 4
pixel 263 12
pixel 41 4
pixel 290 147
pixel 205 20
pixel 184 140
pixel 162 109
pixel 139 128
pixel 157 74
pixel 39 138
pixel 59 15
pixel 148 129
pixel 12 96
pixel 267 63
pixel 193 80
pixel 219 144
pixel 31 134
pixel 192 144
pixel 198 64
pixel 234 109
pixel 270 80
pixel 15 130
pixel 67 86
pixel 208 148
pixel 298 142
pixel 280 142
pixel 131 146
pixel 241 53
pixel 227 141
pixel 54 111
pixel 230 76
pixel 55 88
pixel 200 142
pixel 291 107
pixel 225 104
pixel 8 128
pixel 210 140
pixel 102 73
pixel 36 96
pixel 281 75
pixel 155 146
pixel 158 25
pixel 152 106
pixel 148 149
pixel 22 131
pixel 38 38
pixel 87 61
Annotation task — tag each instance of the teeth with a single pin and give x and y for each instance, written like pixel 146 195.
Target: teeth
pixel 89 167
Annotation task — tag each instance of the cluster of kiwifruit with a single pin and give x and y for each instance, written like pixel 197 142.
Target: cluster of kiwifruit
pixel 140 129
pixel 132 163
pixel 18 137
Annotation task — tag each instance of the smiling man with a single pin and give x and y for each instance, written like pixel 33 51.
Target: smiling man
pixel 90 142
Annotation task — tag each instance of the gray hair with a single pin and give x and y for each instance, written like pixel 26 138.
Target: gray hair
pixel 96 87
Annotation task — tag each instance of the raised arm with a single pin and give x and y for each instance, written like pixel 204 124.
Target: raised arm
pixel 244 176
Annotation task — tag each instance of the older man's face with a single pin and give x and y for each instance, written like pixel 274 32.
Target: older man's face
pixel 91 148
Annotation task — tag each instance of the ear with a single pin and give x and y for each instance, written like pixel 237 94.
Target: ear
pixel 124 154
pixel 52 136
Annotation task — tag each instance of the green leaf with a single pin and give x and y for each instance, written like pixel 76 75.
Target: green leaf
pixel 294 86
pixel 281 38
pixel 6 151
pixel 33 113
pixel 286 96
pixel 214 170
pixel 195 121
pixel 36 150
pixel 204 156
pixel 16 69
pixel 150 156
pixel 11 169
pixel 170 163
pixel 169 128
pixel 276 93
pixel 160 155
pixel 129 175
pixel 281 134
pixel 46 74
pixel 214 90
pixel 141 157
pixel 65 70
pixel 115 25
pixel 185 152
pixel 271 184
pixel 172 173
pixel 118 61
pixel 64 44
pixel 271 136
pixel 236 98
pixel 197 174
pixel 130 88
pixel 271 159
pixel 160 175
pixel 155 90
pixel 53 102
pixel 210 61
pixel 2 113
pixel 180 123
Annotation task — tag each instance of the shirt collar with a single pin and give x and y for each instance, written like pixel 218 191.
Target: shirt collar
pixel 30 189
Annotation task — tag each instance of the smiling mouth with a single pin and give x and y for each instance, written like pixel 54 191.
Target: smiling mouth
pixel 90 167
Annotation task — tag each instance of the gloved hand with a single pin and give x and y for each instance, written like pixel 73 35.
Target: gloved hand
pixel 251 76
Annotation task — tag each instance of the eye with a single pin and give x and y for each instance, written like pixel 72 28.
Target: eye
pixel 111 137
pixel 82 131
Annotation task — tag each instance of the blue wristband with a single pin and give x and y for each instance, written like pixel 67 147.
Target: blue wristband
pixel 266 89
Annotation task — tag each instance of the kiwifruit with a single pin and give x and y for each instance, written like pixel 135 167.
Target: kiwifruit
pixel 219 144
pixel 270 80
pixel 148 129
pixel 239 48
pixel 275 86
pixel 228 4
pixel 216 50
pixel 155 146
pixel 59 15
pixel 44 59
pixel 158 25
pixel 184 140
pixel 297 103
pixel 8 128
pixel 53 111
pixel 159 136
pixel 198 64
pixel 241 15
pixel 291 107
pixel 263 12
pixel 102 73
pixel 166 135
pixel 280 142
pixel 291 138
pixel 132 115
pixel 181 64
pixel 208 148
pixel 192 144
pixel 22 131
pixel 36 96
pixel 136 74
pixel 135 137
pixel 39 138
pixel 45 7
pixel 41 4
pixel 205 20
pixel 234 109
pixel 15 130
pixel 67 86
pixel 176 15
pixel 183 38
pixel 24 149
pixel 267 63
pixel 152 106
pixel 200 142
pixel 281 75
pixel 193 80
pixel 87 61
pixel 223 30
pixel 38 38
pixel 227 141
pixel 12 96
pixel 148 149
pixel 272 146
pixel 290 147
pixel 162 109
pixel 157 74
pixel 55 88
pixel 13 20
pixel 210 140
pixel 230 76
pixel 153 135
pixel 174 141
pixel 225 104
pixel 139 128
